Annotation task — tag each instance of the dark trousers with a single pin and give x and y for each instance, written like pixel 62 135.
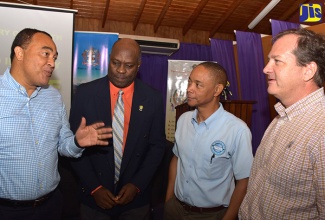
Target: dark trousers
pixel 174 211
pixel 49 210
pixel 142 213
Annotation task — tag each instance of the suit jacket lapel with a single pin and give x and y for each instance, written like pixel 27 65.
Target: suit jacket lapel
pixel 103 102
pixel 139 99
pixel 103 109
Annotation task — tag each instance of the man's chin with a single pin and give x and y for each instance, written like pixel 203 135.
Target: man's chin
pixel 44 84
pixel 191 104
pixel 271 89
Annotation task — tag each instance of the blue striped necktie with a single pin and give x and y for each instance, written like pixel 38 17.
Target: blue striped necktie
pixel 118 128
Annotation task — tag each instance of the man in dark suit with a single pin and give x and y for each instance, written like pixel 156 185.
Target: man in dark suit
pixel 143 139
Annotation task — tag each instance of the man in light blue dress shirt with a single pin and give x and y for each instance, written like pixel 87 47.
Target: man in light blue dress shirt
pixel 212 151
pixel 34 129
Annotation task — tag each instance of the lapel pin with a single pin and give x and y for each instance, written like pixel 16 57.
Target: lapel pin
pixel 140 108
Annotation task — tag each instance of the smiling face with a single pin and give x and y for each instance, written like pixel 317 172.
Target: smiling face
pixel 36 62
pixel 124 63
pixel 285 77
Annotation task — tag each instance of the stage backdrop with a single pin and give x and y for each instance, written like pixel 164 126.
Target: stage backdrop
pixel 91 55
pixel 178 73
pixel 57 22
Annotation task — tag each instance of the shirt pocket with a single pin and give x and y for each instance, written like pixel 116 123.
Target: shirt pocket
pixel 214 166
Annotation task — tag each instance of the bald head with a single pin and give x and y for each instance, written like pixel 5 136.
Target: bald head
pixel 124 62
pixel 129 44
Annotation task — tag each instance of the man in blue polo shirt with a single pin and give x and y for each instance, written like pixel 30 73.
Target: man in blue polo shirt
pixel 212 150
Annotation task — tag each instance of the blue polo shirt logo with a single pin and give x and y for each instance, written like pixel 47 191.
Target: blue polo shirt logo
pixel 218 148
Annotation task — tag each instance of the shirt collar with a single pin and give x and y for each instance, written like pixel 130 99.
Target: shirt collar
pixel 301 106
pixel 211 120
pixel 127 90
pixel 14 84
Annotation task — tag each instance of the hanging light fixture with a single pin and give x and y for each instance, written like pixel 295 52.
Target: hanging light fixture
pixel 263 13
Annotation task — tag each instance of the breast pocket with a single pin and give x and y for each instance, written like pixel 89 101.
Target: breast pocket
pixel 213 166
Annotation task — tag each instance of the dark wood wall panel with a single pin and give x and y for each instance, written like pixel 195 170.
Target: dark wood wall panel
pixel 192 36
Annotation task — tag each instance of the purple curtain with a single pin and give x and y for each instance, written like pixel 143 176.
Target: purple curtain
pixel 189 51
pixel 253 81
pixel 278 26
pixel 154 68
pixel 222 51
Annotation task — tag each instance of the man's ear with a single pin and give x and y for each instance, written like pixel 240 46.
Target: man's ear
pixel 310 72
pixel 218 89
pixel 19 53
pixel 139 64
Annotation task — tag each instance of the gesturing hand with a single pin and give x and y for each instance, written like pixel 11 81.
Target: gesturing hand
pixel 95 134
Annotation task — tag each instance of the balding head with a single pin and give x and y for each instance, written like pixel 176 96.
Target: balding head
pixel 124 62
pixel 129 44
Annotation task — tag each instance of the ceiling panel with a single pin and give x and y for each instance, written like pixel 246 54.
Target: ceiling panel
pixel 215 16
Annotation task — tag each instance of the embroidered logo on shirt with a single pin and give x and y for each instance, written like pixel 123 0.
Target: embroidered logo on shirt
pixel 218 148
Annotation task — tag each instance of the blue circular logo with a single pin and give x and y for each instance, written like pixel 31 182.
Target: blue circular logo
pixel 218 148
